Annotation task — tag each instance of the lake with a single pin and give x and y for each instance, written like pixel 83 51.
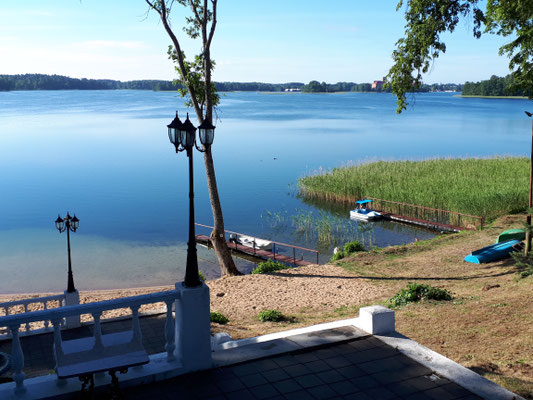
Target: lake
pixel 105 156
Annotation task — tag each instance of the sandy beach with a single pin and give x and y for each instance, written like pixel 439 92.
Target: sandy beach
pixel 313 287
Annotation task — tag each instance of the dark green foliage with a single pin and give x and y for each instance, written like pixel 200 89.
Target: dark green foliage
pixel 349 248
pixel 339 255
pixel 426 20
pixel 270 315
pixel 523 264
pixel 265 267
pixel 219 318
pixel 495 86
pixel 416 292
pixel 352 247
pixel 317 87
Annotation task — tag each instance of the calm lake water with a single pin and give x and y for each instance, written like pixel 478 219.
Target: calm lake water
pixel 105 156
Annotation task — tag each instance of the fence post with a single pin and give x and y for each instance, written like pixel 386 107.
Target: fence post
pixel 294 255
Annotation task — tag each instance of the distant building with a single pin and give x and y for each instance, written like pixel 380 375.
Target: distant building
pixel 377 85
pixel 293 90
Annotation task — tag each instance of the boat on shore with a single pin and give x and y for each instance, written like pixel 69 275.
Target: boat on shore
pixel 250 241
pixel 510 234
pixel 494 252
pixel 363 211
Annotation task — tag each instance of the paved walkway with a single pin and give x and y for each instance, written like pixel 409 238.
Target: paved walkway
pixel 363 369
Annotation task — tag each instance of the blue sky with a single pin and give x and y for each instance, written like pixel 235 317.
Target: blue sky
pixel 268 41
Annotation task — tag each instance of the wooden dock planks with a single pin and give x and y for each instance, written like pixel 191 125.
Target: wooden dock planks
pixel 263 254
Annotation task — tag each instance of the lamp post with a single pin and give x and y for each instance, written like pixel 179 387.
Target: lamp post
pixel 183 137
pixel 528 234
pixel 68 224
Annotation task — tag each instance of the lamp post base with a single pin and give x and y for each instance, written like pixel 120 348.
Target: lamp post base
pixel 71 299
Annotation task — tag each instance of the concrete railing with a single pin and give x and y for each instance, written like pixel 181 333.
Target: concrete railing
pixel 15 307
pixel 192 345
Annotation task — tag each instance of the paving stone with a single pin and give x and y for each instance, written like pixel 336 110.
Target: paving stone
pixel 318 366
pixel 455 389
pixel 275 375
pixel 438 393
pixel 297 370
pixel 330 376
pixel 338 362
pixel 243 394
pixel 253 380
pixel 285 361
pixel 380 393
pixel 365 382
pixel 351 371
pixel 308 381
pixel 229 385
pixel 264 391
pixel 322 392
pixel 344 387
pixel 287 386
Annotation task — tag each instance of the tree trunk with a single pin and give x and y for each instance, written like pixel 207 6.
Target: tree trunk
pixel 227 266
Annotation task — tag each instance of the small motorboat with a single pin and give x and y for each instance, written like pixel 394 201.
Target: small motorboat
pixel 494 252
pixel 363 211
pixel 250 241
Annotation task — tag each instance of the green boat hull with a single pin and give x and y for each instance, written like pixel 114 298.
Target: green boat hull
pixel 510 234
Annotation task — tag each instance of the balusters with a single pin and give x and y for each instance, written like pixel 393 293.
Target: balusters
pixel 97 330
pixel 17 360
pixel 46 323
pixel 136 327
pixel 27 323
pixel 170 332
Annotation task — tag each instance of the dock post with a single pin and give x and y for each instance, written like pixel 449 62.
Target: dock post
pixel 274 251
pixel 317 257
pixel 294 255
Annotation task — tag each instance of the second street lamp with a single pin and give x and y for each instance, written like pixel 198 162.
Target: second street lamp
pixel 68 224
pixel 183 137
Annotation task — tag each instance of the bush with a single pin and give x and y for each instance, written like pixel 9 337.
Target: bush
pixel 417 292
pixel 339 255
pixel 523 263
pixel 201 276
pixel 219 318
pixel 269 266
pixel 270 315
pixel 349 248
pixel 352 247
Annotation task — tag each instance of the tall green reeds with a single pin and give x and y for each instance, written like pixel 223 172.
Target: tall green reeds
pixel 484 187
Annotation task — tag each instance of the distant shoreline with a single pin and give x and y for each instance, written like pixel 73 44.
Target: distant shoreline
pixel 491 97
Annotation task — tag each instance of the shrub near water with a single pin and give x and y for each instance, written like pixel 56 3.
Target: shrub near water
pixel 265 267
pixel 349 248
pixel 484 187
pixel 417 292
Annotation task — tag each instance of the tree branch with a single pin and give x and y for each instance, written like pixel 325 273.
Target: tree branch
pixel 213 24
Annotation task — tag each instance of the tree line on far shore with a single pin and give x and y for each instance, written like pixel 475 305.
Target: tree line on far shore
pixel 59 82
pixel 495 86
pixel 317 87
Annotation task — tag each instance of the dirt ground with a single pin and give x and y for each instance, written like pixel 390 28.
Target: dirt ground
pixel 488 326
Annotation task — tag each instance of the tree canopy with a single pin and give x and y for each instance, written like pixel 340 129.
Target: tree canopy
pixel 426 20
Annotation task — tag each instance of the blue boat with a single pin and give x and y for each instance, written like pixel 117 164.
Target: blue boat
pixel 494 252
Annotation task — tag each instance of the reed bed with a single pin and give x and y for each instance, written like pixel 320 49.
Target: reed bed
pixel 484 187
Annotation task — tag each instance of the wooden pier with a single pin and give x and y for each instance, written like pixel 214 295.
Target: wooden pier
pixel 257 253
pixel 421 222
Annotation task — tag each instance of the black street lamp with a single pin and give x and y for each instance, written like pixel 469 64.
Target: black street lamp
pixel 68 224
pixel 530 204
pixel 183 137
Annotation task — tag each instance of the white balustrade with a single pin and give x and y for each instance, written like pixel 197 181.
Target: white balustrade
pixel 8 306
pixel 57 315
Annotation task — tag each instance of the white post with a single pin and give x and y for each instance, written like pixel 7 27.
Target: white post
pixel 376 320
pixel 193 327
pixel 170 345
pixel 17 360
pixel 71 299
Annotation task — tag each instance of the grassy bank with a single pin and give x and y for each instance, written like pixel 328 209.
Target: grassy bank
pixel 491 97
pixel 484 187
